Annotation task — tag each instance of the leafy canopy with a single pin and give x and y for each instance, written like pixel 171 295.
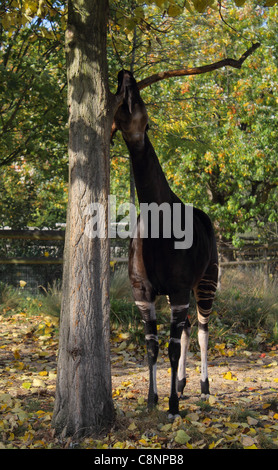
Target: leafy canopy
pixel 215 134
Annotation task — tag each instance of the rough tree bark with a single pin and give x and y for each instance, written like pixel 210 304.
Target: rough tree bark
pixel 83 402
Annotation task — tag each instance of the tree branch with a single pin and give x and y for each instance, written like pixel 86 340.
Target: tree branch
pixel 197 70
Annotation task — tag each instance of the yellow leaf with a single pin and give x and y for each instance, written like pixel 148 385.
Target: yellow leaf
pixel 266 405
pixel 43 372
pixel 230 376
pixel 26 385
pixel 40 443
pixel 48 330
pixel 132 426
pixel 141 401
pixel 28 436
pixel 20 366
pixel 220 346
pixel 206 421
pixel 119 445
pixel 16 354
pixel 143 442
pixel 275 416
pixel 123 336
pixel 126 383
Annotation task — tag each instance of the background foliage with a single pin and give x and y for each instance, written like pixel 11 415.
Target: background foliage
pixel 215 134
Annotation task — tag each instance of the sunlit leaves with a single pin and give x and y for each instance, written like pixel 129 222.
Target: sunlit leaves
pixel 17 14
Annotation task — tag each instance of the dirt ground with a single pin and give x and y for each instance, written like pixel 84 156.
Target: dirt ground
pixel 251 378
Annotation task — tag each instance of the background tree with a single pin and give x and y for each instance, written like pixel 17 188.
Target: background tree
pixel 33 132
pixel 199 125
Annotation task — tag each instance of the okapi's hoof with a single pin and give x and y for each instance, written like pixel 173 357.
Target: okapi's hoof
pixel 205 389
pixel 152 401
pixel 173 407
pixel 181 385
pixel 173 417
pixel 205 397
pixel 183 397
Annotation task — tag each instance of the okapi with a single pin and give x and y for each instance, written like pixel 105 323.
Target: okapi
pixel 156 266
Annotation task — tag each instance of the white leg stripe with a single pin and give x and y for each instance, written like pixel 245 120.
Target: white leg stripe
pixel 174 340
pixel 143 305
pixel 178 308
pixel 203 315
pixel 148 337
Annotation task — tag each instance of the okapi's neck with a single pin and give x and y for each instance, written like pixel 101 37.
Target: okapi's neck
pixel 150 181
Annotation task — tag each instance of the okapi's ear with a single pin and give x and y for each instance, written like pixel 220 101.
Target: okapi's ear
pixel 120 89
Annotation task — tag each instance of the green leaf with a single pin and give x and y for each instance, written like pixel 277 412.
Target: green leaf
pixel 182 437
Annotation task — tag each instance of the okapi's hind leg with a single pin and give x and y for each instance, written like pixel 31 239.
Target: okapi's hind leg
pixel 204 294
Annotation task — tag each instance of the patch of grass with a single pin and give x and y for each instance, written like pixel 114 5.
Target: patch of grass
pixel 245 306
pixel 265 441
pixel 240 415
pixel 10 298
pixel 14 300
pixel 120 285
pixel 51 301
pixel 244 311
pixel 124 315
pixel 204 405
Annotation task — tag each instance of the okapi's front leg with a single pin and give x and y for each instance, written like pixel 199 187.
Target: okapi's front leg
pixel 178 320
pixel 147 310
pixel 185 340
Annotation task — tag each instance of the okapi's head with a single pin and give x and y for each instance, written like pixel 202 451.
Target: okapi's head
pixel 131 117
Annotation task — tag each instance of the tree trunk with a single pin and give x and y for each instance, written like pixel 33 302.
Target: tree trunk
pixel 83 404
